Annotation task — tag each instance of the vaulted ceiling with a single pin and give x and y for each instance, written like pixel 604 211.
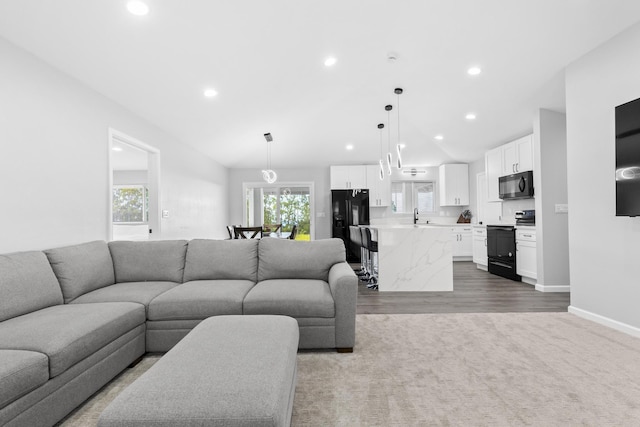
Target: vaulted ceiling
pixel 266 59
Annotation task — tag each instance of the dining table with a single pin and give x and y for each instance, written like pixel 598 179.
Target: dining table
pixel 278 235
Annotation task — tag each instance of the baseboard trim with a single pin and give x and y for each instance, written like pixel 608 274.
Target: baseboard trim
pixel 606 321
pixel 529 280
pixel 548 288
pixel 482 267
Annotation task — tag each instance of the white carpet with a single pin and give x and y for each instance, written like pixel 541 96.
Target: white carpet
pixel 542 369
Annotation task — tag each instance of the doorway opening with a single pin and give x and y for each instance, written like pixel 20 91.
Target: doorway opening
pixel 134 189
pixel 288 204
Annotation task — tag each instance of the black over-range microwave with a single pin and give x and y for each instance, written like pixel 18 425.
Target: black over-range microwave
pixel 516 186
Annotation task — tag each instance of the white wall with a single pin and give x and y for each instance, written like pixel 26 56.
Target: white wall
pixel 550 180
pixel 130 177
pixel 604 249
pixel 474 169
pixel 322 193
pixel 54 162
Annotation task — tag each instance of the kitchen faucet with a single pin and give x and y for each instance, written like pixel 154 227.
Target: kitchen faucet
pixel 415 216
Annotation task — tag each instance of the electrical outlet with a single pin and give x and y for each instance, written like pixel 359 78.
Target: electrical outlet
pixel 165 214
pixel 562 208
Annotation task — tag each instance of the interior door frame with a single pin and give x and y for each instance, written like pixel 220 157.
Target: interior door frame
pixel 262 184
pixel 153 181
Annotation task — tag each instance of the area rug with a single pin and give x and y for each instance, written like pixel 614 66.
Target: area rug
pixel 522 369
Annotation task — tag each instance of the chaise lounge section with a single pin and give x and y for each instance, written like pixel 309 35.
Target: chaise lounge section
pixel 72 318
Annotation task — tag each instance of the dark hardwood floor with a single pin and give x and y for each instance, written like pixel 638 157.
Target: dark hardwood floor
pixel 474 291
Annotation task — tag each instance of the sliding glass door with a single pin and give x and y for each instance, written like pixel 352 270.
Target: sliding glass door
pixel 286 204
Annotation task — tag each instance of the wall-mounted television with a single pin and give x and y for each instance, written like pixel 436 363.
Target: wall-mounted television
pixel 628 159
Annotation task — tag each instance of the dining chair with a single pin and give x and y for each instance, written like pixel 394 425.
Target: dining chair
pixel 247 232
pixel 230 231
pixel 271 228
pixel 294 231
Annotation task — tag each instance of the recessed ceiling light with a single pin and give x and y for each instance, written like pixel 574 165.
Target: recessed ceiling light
pixel 349 147
pixel 117 148
pixel 470 116
pixel 439 137
pixel 330 62
pixel 138 8
pixel 474 71
pixel 210 93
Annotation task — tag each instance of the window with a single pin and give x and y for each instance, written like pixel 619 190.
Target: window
pixel 286 204
pixel 130 204
pixel 407 195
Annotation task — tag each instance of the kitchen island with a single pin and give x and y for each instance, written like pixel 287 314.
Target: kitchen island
pixel 414 258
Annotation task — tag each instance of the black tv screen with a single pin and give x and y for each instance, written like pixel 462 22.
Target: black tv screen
pixel 628 159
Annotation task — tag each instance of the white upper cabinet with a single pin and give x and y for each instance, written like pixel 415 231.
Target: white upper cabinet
pixel 348 177
pixel 454 184
pixel 379 190
pixel 507 159
pixel 517 156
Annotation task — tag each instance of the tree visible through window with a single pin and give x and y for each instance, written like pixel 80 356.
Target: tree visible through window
pixel 130 204
pixel 289 206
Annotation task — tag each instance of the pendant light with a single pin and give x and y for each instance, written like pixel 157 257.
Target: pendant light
pixel 398 91
pixel 388 108
pixel 269 174
pixel 381 171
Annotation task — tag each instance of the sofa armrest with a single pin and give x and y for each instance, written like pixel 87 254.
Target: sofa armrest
pixel 344 289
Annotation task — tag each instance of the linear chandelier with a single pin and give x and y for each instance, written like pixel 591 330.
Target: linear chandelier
pixel 389 160
pixel 269 174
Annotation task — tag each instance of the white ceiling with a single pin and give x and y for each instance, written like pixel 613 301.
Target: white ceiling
pixel 265 58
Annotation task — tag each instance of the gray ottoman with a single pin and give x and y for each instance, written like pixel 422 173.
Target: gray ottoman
pixel 228 371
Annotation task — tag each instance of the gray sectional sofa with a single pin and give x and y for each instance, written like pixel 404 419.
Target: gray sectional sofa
pixel 72 318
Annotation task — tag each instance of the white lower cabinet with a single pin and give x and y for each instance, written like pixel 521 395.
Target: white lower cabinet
pixel 526 259
pixel 480 247
pixel 462 246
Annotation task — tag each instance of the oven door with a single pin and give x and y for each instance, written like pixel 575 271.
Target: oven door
pixel 501 243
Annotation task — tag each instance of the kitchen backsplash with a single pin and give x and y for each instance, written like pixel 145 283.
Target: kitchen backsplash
pixel 509 208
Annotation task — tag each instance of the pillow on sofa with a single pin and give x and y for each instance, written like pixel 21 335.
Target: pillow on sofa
pixel 27 284
pixel 222 259
pixel 159 260
pixel 291 259
pixel 82 268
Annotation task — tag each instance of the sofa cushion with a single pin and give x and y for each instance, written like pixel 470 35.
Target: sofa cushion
pixel 140 292
pixel 290 297
pixel 200 299
pixel 20 372
pixel 160 261
pixel 222 259
pixel 27 284
pixel 82 268
pixel 291 259
pixel 69 333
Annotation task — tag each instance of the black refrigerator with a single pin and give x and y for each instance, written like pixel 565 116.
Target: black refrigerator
pixel 350 207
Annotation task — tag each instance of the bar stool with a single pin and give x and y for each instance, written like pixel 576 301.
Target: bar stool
pixel 355 236
pixel 371 247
